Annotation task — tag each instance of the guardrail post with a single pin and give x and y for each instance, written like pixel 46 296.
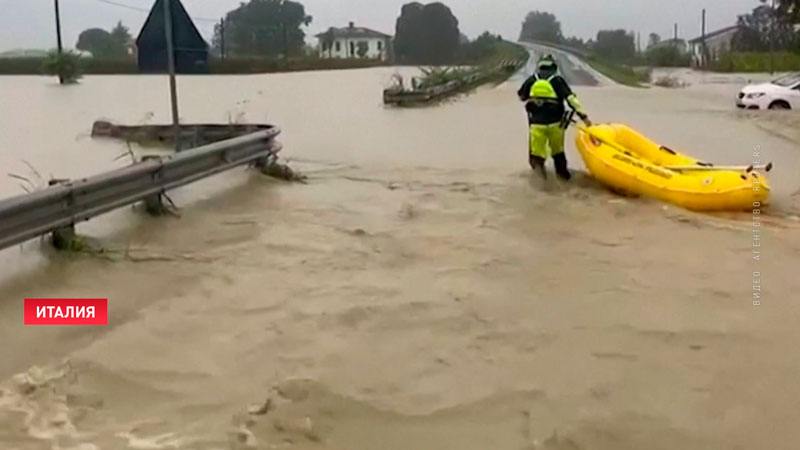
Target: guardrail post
pixel 63 237
pixel 265 163
pixel 154 204
pixel 270 167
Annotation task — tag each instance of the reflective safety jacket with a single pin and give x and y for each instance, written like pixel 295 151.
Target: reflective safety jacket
pixel 542 89
pixel 545 97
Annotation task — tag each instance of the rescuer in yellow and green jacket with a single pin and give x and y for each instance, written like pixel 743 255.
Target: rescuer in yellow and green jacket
pixel 545 93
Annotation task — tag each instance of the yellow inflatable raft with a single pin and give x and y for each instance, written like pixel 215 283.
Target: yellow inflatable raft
pixel 633 164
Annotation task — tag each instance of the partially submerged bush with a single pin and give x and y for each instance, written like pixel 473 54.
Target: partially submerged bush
pixel 668 81
pixel 65 65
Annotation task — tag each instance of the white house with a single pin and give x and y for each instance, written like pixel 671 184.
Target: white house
pixel 715 44
pixel 354 42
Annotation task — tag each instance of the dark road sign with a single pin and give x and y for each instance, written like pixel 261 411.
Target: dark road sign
pixel 191 50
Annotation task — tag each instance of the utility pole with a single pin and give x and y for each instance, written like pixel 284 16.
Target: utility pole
pixel 703 48
pixel 173 88
pixel 676 34
pixel 58 37
pixel 772 21
pixel 222 38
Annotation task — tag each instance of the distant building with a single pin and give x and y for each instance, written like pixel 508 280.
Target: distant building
pixel 681 44
pixel 715 43
pixel 191 50
pixel 354 42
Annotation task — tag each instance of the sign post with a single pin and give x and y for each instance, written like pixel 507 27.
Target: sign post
pixel 173 88
pixel 58 37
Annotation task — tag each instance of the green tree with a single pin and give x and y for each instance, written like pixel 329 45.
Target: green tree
pixel 541 26
pixel 100 43
pixel 122 36
pixel 615 45
pixel 427 34
pixel 667 56
pixel 762 26
pixel 481 47
pixel 264 28
pixel 789 10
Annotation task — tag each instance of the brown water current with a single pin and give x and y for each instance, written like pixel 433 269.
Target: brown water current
pixel 422 291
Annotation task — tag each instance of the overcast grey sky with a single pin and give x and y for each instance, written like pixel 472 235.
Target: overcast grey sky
pixel 29 23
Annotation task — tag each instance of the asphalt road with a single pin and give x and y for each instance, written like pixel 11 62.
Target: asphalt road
pixel 575 71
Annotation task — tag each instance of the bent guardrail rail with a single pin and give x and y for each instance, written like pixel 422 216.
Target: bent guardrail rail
pixel 64 204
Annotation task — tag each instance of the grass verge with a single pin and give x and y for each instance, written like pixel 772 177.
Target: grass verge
pixel 756 62
pixel 620 73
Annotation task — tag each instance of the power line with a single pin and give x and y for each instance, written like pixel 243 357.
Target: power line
pixel 136 8
pixel 122 5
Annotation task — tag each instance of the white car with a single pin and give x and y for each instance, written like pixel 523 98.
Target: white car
pixel 781 93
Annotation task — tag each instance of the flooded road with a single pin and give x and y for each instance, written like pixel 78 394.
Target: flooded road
pixel 573 69
pixel 422 290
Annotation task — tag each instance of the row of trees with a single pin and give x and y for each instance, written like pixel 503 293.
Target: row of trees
pixel 760 30
pixel 114 44
pixel 766 28
pixel 618 45
pixel 425 34
pixel 263 28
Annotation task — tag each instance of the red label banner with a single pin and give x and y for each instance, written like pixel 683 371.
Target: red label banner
pixel 66 311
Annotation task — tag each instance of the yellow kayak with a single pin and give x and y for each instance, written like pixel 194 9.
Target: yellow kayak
pixel 633 164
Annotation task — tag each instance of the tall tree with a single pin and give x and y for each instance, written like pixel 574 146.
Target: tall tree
pixel 122 35
pixel 789 10
pixel 264 28
pixel 541 26
pixel 103 44
pixel 100 44
pixel 617 45
pixel 427 34
pixel 481 47
pixel 763 27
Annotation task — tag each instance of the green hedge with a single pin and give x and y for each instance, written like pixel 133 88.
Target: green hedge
pixel 262 65
pixel 34 66
pixel 756 62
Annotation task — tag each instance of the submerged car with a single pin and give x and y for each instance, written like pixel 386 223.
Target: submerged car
pixel 781 93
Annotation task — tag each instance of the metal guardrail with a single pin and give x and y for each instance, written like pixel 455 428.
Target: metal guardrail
pixel 64 204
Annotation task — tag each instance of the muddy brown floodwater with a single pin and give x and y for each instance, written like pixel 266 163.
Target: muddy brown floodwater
pixel 422 291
